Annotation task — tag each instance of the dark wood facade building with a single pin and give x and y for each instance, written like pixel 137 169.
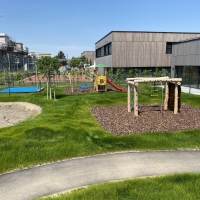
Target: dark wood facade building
pixel 141 50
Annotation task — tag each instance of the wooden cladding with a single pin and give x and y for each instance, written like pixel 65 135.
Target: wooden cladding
pixel 140 54
pixel 151 36
pixel 142 49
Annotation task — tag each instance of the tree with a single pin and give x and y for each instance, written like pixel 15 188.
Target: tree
pixel 74 62
pixel 49 67
pixel 60 55
pixel 90 62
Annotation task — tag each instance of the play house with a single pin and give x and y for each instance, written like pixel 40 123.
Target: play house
pixel 101 80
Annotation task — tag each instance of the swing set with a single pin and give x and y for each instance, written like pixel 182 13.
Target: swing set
pixel 172 92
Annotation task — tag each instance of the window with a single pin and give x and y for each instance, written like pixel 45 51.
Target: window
pixel 104 50
pixel 109 48
pixel 169 48
pixel 98 53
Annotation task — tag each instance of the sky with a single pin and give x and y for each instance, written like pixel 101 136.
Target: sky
pixel 74 26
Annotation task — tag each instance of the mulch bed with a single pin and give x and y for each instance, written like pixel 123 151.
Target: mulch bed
pixel 86 91
pixel 117 120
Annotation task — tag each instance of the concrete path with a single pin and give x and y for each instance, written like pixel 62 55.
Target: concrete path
pixel 66 175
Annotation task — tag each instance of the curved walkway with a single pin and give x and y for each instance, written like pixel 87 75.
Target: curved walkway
pixel 66 175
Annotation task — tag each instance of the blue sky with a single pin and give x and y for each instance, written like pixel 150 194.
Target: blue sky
pixel 73 26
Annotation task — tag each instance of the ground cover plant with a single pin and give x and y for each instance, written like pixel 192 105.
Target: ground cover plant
pixel 178 186
pixel 66 129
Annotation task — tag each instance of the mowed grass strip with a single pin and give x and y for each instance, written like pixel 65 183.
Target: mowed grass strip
pixel 178 186
pixel 66 129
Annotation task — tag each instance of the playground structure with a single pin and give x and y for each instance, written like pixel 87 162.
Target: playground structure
pixel 101 80
pixel 172 92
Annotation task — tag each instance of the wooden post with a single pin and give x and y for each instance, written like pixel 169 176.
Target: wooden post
pixel 129 98
pixel 176 98
pixel 136 99
pixel 166 96
pixel 105 74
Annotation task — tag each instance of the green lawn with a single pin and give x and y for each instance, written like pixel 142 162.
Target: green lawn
pixel 171 187
pixel 66 129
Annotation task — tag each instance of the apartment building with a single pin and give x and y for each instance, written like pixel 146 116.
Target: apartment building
pixel 14 55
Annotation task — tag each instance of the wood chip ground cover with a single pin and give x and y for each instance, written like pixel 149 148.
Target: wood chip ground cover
pixel 117 120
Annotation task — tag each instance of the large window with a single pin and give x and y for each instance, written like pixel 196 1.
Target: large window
pixel 169 48
pixel 104 50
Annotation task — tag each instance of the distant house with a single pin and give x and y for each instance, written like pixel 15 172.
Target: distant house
pixel 136 49
pixel 90 55
pixel 38 55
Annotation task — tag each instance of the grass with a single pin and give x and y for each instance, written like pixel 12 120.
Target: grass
pixel 178 186
pixel 66 129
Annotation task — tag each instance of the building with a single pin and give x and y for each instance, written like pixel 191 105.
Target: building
pixel 186 62
pixel 90 55
pixel 141 50
pixel 38 55
pixel 14 55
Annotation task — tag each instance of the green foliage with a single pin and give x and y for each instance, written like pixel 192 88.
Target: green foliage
pixel 74 62
pixel 146 73
pixel 158 73
pixel 132 73
pixel 60 55
pixel 47 65
pixel 119 76
pixel 78 62
pixel 110 74
pixel 90 62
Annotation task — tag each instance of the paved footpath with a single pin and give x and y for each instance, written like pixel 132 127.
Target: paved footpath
pixel 66 175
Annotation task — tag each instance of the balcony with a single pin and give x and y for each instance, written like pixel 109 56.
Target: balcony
pixel 3 46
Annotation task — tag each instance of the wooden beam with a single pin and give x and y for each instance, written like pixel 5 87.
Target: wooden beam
pixel 129 98
pixel 157 79
pixel 145 78
pixel 136 100
pixel 176 99
pixel 166 96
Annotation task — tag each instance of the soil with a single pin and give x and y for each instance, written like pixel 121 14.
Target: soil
pixel 13 113
pixel 117 120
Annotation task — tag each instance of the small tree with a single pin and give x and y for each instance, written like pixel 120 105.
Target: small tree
pixel 146 73
pixel 117 76
pixel 90 62
pixel 110 74
pixel 74 62
pixel 158 73
pixel 49 67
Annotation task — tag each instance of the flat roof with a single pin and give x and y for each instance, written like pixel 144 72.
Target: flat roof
pixel 189 40
pixel 146 32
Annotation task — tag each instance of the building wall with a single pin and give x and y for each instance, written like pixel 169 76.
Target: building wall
pixel 89 55
pixel 140 49
pixel 186 53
